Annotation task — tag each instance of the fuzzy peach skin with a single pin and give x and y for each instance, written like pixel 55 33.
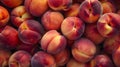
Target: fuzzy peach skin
pixel 12 3
pixel 30 32
pixel 92 33
pixel 4 16
pixel 62 57
pixel 109 24
pixel 90 11
pixel 116 56
pixel 83 50
pixel 53 42
pixel 9 37
pixel 73 63
pixel 42 59
pixel 19 15
pixel 20 59
pixel 4 57
pixel 59 4
pixel 101 61
pixel 72 28
pixel 52 20
pixel 73 10
pixel 36 7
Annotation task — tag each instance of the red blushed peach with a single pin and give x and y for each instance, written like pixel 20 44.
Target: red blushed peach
pixel 12 3
pixel 9 37
pixel 59 4
pixel 4 16
pixel 20 59
pixel 72 28
pixel 116 57
pixel 83 50
pixel 53 42
pixel 101 61
pixel 78 1
pixel 74 63
pixel 30 32
pixel 52 20
pixel 92 33
pixel 73 10
pixel 110 44
pixel 4 57
pixel 62 57
pixel 36 7
pixel 108 25
pixel 90 11
pixel 19 15
pixel 42 59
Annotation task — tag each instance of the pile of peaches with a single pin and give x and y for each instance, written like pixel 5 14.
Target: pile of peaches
pixel 59 33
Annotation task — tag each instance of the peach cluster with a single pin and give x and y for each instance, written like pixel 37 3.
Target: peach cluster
pixel 59 33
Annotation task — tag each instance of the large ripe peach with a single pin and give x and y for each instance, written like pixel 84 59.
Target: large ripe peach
pixel 12 3
pixel 90 11
pixel 108 25
pixel 92 33
pixel 4 16
pixel 20 59
pixel 43 59
pixel 59 4
pixel 52 20
pixel 53 42
pixel 72 27
pixel 30 32
pixel 36 7
pixel 83 50
pixel 4 57
pixel 101 61
pixel 73 10
pixel 19 15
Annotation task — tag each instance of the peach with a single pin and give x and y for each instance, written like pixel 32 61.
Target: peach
pixel 9 37
pixel 53 42
pixel 92 33
pixel 74 63
pixel 42 59
pixel 83 50
pixel 30 32
pixel 101 61
pixel 90 11
pixel 78 1
pixel 4 57
pixel 108 25
pixel 12 3
pixel 62 57
pixel 20 59
pixel 59 4
pixel 19 15
pixel 116 57
pixel 34 7
pixel 52 20
pixel 72 28
pixel 73 10
pixel 4 16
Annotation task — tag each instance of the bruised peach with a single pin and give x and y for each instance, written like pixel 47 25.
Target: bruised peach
pixel 108 25
pixel 52 20
pixel 43 59
pixel 59 4
pixel 30 32
pixel 53 42
pixel 83 50
pixel 72 28
pixel 12 3
pixel 90 11
pixel 19 15
pixel 36 7
pixel 4 16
